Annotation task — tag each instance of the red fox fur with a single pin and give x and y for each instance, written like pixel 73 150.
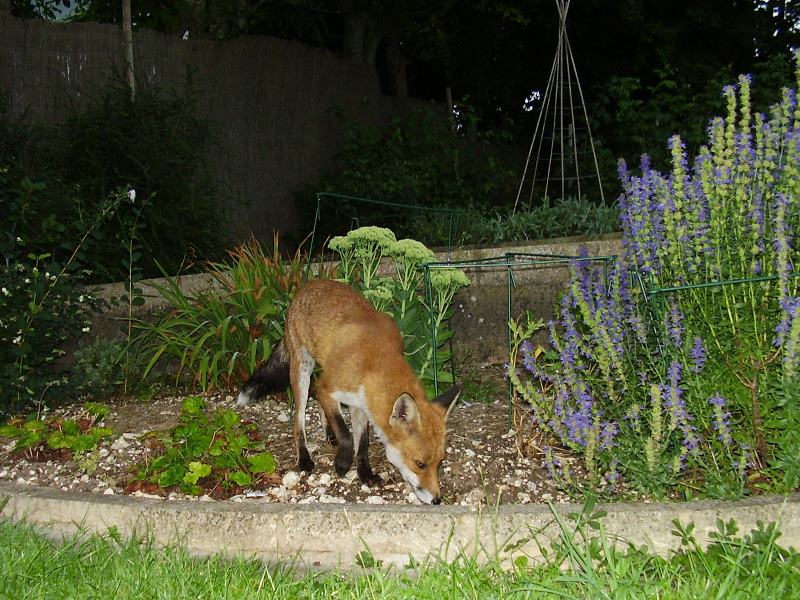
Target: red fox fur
pixel 360 353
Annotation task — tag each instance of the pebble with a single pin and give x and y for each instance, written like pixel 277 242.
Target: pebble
pixel 120 444
pixel 375 500
pixel 474 496
pixel 137 493
pixel 283 417
pixel 291 479
pixel 324 479
pixel 108 492
pixel 326 499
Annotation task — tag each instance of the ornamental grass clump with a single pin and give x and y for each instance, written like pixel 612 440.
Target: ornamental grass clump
pixel 680 367
pixel 219 335
pixel 398 289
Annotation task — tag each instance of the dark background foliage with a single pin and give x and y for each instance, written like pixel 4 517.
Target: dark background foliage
pixel 648 68
pixel 59 177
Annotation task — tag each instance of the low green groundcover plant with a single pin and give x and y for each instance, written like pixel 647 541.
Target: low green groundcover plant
pixel 584 563
pixel 77 436
pixel 215 454
pixel 399 290
pixel 679 371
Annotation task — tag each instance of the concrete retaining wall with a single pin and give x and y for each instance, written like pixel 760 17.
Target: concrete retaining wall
pixel 480 315
pixel 331 536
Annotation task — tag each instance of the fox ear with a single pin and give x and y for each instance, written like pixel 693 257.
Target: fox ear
pixel 447 400
pixel 404 412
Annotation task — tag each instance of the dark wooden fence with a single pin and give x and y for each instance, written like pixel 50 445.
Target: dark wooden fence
pixel 280 107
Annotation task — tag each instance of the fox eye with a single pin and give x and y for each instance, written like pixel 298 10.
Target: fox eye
pixel 420 464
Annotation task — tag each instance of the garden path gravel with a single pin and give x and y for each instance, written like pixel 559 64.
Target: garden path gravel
pixel 483 465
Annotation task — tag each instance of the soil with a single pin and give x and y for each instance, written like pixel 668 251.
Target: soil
pixel 484 463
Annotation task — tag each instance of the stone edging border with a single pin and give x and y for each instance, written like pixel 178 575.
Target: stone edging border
pixel 332 536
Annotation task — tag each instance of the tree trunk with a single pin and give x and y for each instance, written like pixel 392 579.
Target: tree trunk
pixel 127 36
pixel 354 36
pixel 395 65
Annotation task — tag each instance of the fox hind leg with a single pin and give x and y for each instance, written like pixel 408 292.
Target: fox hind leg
pixel 301 382
pixel 337 426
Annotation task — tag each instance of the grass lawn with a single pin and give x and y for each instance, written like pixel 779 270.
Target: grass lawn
pixel 32 566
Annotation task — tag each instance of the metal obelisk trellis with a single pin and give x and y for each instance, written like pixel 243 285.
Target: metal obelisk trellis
pixel 562 135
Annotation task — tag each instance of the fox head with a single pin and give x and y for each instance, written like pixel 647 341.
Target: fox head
pixel 415 441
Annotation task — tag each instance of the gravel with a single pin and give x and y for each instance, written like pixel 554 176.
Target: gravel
pixel 484 465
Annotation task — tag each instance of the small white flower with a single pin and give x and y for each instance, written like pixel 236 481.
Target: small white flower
pixel 81 298
pixel 19 240
pixel 132 195
pixel 6 292
pixel 17 340
pixel 85 329
pixel 27 280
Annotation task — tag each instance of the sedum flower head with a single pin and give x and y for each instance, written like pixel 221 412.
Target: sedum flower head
pixel 411 250
pixel 445 279
pixel 380 236
pixel 340 243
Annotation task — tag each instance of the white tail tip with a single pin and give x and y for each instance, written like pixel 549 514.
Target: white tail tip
pixel 244 399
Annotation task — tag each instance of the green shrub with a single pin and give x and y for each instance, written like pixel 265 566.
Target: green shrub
pixel 209 453
pixel 99 367
pixel 486 226
pixel 44 303
pixel 680 374
pixel 219 336
pixel 60 176
pixel 420 161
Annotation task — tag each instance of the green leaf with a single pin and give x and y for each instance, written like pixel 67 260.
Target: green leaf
pixel 227 418
pixel 171 476
pixel 83 443
pixel 97 409
pixel 10 431
pixel 70 428
pixel 240 478
pixel 57 440
pixel 193 405
pixel 263 462
pixel 197 470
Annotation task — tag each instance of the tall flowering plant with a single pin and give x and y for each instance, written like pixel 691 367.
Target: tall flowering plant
pixel 680 367
pixel 387 271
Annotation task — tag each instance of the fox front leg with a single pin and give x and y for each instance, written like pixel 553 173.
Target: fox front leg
pixel 361 441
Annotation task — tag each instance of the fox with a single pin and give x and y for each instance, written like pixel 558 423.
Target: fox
pixel 359 352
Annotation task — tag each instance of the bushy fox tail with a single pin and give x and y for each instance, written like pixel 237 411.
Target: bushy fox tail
pixel 269 378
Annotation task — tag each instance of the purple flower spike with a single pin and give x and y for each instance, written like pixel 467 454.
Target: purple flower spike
pixel 698 354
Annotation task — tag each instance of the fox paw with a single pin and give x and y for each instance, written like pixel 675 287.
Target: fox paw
pixel 343 462
pixel 370 479
pixel 304 462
